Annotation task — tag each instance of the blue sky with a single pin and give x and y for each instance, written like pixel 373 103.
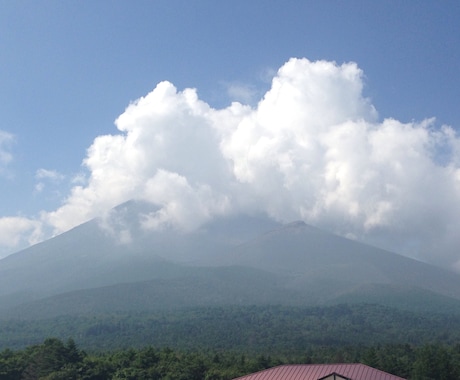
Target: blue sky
pixel 68 70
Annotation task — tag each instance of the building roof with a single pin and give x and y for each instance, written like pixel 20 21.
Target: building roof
pixel 321 371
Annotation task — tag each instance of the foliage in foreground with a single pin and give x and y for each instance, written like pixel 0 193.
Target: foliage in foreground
pixel 56 360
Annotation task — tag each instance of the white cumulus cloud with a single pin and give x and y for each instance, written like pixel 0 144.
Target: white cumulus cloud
pixel 313 148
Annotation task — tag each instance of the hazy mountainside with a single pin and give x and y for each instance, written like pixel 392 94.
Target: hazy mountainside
pixel 196 287
pixel 92 255
pixel 309 255
pixel 113 264
pixel 222 287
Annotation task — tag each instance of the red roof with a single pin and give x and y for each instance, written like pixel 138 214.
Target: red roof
pixel 319 371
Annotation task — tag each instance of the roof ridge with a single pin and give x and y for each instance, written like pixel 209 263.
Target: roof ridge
pixel 347 367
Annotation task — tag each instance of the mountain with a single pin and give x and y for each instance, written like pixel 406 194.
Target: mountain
pixel 92 255
pixel 309 256
pixel 113 264
pixel 198 287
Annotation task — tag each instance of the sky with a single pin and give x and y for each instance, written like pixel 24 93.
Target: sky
pixel 343 114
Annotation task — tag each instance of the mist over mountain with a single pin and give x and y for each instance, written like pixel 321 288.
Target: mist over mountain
pixel 113 264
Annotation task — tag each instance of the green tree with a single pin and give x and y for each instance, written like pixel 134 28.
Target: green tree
pixel 433 363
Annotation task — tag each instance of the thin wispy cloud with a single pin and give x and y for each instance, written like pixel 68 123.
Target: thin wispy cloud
pixel 242 93
pixel 5 144
pixel 49 175
pixel 45 175
pixel 313 148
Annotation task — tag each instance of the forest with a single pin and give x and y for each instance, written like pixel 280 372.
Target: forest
pixel 229 341
pixel 249 329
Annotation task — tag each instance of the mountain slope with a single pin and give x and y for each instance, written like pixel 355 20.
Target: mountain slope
pixel 196 287
pixel 91 254
pixel 250 259
pixel 309 255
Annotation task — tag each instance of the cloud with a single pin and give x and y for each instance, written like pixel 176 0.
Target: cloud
pixel 46 175
pixel 49 174
pixel 5 156
pixel 312 148
pixel 182 204
pixel 241 92
pixel 163 132
pixel 14 229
